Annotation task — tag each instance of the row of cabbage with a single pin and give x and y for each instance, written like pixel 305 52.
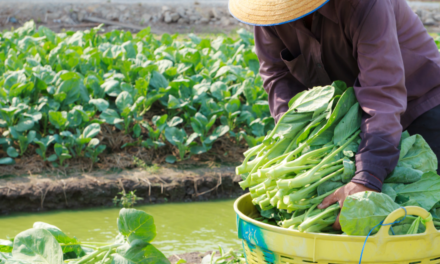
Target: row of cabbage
pixel 57 91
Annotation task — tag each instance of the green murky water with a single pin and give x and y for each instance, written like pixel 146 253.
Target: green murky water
pixel 181 227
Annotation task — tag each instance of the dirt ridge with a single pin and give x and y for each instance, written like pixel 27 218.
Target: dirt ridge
pixel 43 193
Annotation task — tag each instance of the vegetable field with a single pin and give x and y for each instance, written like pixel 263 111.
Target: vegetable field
pixel 87 99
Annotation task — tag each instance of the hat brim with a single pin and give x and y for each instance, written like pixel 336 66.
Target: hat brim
pixel 272 12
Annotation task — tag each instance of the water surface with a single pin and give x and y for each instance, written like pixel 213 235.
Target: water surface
pixel 181 227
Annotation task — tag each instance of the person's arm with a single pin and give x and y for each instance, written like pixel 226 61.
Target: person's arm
pixel 381 92
pixel 278 82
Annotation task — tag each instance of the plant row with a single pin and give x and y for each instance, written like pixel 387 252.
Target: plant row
pixel 57 91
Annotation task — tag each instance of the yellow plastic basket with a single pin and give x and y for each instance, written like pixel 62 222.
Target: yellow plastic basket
pixel 265 243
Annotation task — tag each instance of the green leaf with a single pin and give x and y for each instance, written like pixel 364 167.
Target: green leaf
pixel 389 190
pixel 100 104
pixel 174 135
pixel 173 102
pixel 143 33
pixel 110 116
pixel 223 71
pixel 24 125
pixel 426 191
pixel 306 131
pixel 129 48
pixel 124 100
pixel 363 211
pixel 158 80
pixel 404 174
pixel 137 130
pixel 49 34
pixel 171 159
pixel 191 138
pixel 52 158
pixel 190 56
pixel 37 246
pixel 328 186
pixel 233 106
pixel 139 252
pixel 92 130
pixel 61 238
pixel 417 154
pixel 74 118
pixel 7 161
pixel 254 65
pixel 12 152
pixel 93 143
pixel 218 90
pixel 112 87
pixel 349 170
pixel 71 87
pixel 197 150
pixel 175 121
pixel 347 100
pixel 211 122
pixel 5 246
pixel 58 119
pixel 135 224
pixel 249 92
pixel 160 121
pixel 291 124
pixel 163 65
pixel 151 99
pixel 312 100
pixel 349 124
pixel 218 132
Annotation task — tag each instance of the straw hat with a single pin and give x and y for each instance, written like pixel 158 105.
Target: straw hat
pixel 272 12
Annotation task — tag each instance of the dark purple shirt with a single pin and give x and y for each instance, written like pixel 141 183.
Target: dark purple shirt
pixel 379 47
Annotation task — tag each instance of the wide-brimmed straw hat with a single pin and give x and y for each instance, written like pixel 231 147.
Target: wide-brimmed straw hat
pixel 272 12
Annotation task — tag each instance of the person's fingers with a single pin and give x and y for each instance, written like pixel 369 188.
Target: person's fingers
pixel 341 202
pixel 329 200
pixel 337 225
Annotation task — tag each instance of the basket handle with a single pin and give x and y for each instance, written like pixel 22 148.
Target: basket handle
pixel 411 210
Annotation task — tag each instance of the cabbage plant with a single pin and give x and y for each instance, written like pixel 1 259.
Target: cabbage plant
pixel 45 243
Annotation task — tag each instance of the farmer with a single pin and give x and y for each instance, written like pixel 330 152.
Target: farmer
pixel 379 47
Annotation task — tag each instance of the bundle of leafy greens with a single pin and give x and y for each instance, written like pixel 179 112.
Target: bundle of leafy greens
pixel 413 182
pixel 310 153
pixel 45 243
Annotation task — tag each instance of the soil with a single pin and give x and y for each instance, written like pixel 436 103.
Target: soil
pixel 62 16
pixel 155 185
pixel 190 258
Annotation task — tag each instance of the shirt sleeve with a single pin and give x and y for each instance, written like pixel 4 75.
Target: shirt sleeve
pixel 278 82
pixel 380 90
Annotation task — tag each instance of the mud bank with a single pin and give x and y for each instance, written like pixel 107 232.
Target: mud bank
pixel 43 193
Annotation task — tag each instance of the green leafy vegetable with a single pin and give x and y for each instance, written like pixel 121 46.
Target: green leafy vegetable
pixel 45 243
pixel 37 245
pixel 426 191
pixel 362 211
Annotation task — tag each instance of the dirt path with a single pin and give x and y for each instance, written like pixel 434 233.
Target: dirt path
pixel 42 193
pixel 159 2
pixel 163 16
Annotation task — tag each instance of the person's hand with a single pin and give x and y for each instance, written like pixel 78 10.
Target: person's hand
pixel 339 196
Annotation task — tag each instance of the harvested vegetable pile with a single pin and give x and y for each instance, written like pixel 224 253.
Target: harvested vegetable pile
pixel 80 97
pixel 310 153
